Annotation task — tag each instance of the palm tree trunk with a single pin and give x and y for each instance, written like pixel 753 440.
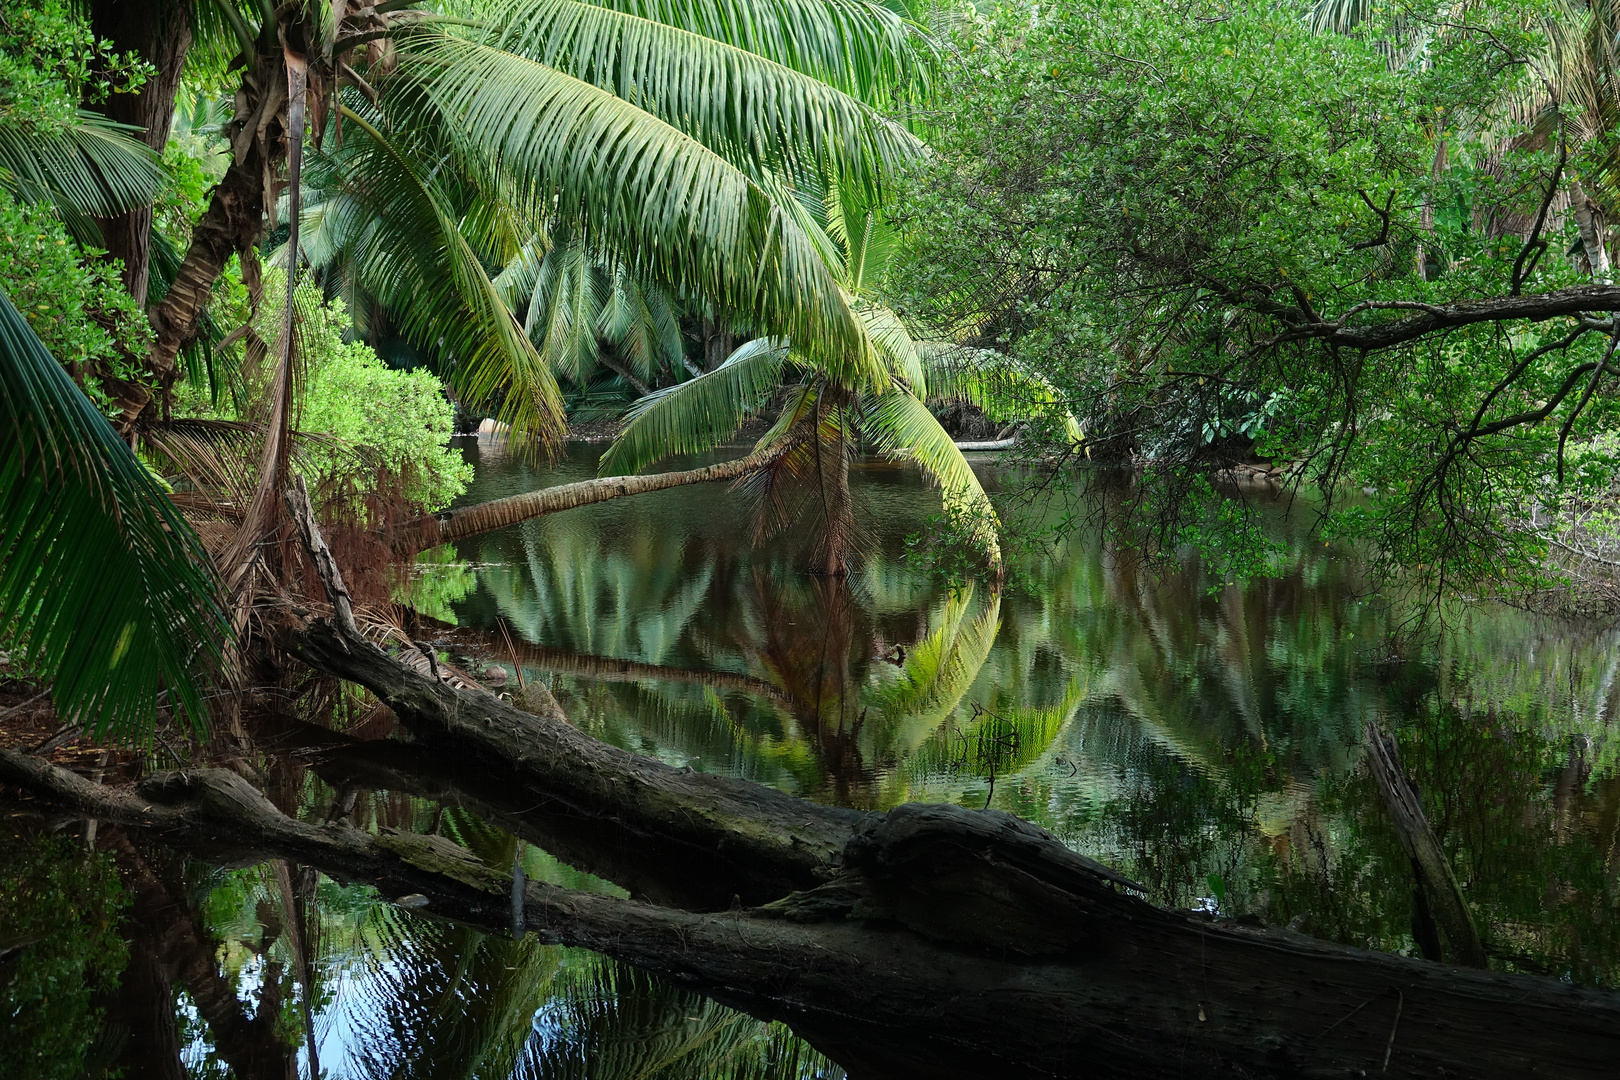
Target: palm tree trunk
pixel 430 530
pixel 832 476
pixel 230 226
pixel 160 34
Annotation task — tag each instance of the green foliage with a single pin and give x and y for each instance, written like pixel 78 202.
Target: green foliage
pixel 73 301
pixel 401 418
pixel 1169 211
pixel 103 585
pixel 59 946
pixel 50 62
pixel 50 148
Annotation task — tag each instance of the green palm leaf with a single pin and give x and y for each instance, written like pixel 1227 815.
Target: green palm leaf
pixel 700 414
pixel 750 109
pixel 89 168
pixel 894 345
pixel 103 585
pixel 863 49
pixel 409 248
pixel 671 206
pixel 901 425
pixel 564 309
pixel 640 318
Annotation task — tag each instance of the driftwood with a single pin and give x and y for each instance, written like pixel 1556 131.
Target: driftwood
pixel 953 942
pixel 1438 896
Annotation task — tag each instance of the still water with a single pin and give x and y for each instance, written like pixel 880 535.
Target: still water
pixel 1203 738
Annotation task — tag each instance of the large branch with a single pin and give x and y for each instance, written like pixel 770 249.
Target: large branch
pixel 432 529
pixel 1429 318
pixel 752 841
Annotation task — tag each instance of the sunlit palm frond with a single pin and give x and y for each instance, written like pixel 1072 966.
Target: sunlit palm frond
pixel 864 49
pixel 857 224
pixel 754 111
pixel 411 252
pixel 700 414
pixel 660 199
pixel 89 168
pixel 103 586
pixel 900 425
pixel 894 344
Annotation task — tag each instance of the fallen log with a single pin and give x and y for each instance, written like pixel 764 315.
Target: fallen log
pixel 753 842
pixel 955 942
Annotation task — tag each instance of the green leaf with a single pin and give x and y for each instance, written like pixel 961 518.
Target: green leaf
pixel 901 426
pixel 102 582
pixel 700 414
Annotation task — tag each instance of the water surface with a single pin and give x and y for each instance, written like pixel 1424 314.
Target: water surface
pixel 1203 738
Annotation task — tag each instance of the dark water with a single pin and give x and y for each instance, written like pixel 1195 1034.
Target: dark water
pixel 1202 738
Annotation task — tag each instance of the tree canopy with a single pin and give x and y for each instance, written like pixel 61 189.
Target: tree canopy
pixel 1229 237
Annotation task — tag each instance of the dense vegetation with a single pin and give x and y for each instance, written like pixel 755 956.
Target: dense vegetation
pixel 1377 256
pixel 1188 257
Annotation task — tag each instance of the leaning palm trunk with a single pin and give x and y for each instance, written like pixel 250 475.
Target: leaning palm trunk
pixel 432 529
pixel 230 226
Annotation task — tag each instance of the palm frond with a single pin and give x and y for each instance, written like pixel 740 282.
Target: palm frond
pixel 102 583
pixel 663 201
pixel 900 425
pixel 994 384
pixel 698 415
pixel 640 319
pixel 894 344
pixel 92 167
pixel 864 49
pixel 1339 16
pixel 748 108
pixel 407 245
pixel 564 309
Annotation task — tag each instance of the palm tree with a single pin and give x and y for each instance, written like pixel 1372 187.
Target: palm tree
pixel 104 589
pixel 828 405
pixel 651 128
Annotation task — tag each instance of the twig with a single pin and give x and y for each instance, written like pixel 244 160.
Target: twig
pixel 23 705
pixel 1400 1000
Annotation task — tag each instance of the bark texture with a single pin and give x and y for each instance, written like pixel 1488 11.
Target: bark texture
pixel 1439 891
pixel 956 943
pixel 158 32
pixel 754 842
pixel 233 221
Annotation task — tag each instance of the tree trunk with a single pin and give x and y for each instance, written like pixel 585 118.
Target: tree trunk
pixel 1594 236
pixel 158 32
pixel 959 943
pixel 430 530
pixel 748 841
pixel 232 223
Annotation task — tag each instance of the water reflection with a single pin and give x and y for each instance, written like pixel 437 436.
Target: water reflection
pixel 1204 741
pixel 1203 738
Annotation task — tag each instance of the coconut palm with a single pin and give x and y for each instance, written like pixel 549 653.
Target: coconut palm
pixel 653 133
pixel 104 589
pixel 826 407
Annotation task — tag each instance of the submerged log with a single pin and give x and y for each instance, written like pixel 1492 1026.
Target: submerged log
pixel 1439 897
pixel 956 942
